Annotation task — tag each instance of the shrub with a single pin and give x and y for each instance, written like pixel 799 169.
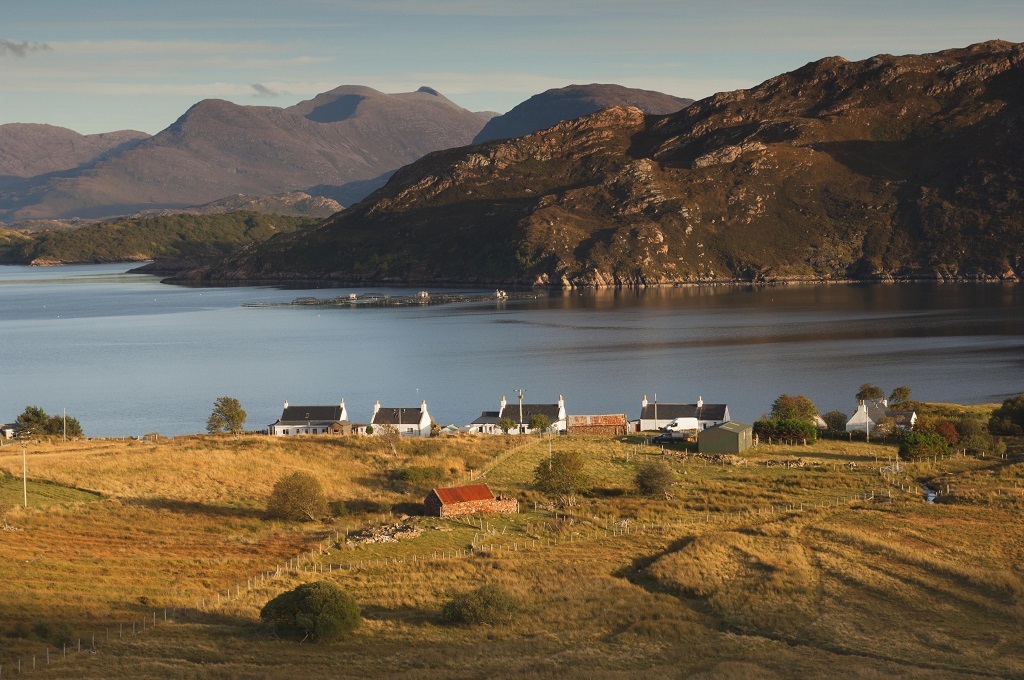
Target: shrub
pixel 1008 419
pixel 321 612
pixel 654 477
pixel 974 436
pixel 947 431
pixel 297 496
pixel 787 429
pixel 923 445
pixel 836 421
pixel 489 604
pixel 794 407
pixel 562 474
pixel 416 477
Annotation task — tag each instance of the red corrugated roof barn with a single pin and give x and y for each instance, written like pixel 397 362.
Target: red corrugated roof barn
pixel 466 500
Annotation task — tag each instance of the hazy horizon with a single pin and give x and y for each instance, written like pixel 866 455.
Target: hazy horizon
pixel 114 64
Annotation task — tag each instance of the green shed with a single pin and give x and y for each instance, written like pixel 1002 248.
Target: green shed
pixel 730 437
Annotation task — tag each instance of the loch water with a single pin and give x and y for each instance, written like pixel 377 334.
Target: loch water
pixel 128 355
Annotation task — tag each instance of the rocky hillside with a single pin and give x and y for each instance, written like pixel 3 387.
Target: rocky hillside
pixel 892 167
pixel 565 103
pixel 345 139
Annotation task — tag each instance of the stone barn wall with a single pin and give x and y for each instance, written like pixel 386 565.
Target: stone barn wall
pixel 612 425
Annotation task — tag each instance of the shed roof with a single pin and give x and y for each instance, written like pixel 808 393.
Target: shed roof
pixel 731 426
pixel 462 494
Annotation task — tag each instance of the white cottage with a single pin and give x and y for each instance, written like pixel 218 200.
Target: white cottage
pixel 521 415
pixel 655 416
pixel 410 422
pixel 297 420
pixel 867 416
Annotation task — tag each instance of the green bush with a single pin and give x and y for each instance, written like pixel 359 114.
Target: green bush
pixel 321 612
pixel 489 604
pixel 786 429
pixel 297 496
pixel 416 477
pixel 917 445
pixel 1008 419
pixel 654 477
pixel 563 474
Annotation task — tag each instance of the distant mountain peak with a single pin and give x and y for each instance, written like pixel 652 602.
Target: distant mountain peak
pixel 429 90
pixel 543 110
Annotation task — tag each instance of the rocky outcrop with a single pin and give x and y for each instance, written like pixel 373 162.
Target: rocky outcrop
pixel 887 168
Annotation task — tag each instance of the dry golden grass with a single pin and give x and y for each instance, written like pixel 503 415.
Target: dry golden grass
pixel 729 578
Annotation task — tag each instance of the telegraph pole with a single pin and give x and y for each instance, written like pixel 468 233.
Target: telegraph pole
pixel 520 391
pixel 24 473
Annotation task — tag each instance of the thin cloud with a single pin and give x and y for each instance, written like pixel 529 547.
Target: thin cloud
pixel 22 49
pixel 262 90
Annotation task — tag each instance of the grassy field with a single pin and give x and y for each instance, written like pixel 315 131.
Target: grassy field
pixel 833 566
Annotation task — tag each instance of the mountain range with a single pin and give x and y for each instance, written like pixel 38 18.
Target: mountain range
pixel 887 168
pixel 340 145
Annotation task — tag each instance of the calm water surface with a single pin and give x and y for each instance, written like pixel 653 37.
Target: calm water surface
pixel 128 355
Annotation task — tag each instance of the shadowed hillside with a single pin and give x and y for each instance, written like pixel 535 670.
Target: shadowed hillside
pixel 891 167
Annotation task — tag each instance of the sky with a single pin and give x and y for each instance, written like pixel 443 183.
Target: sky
pixel 102 65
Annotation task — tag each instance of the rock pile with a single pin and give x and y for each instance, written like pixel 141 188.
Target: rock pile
pixel 387 533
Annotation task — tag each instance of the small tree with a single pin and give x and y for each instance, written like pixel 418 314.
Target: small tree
pixel 1008 419
pixel 917 445
pixel 389 436
pixel 948 431
pixel 539 422
pixel 321 612
pixel 227 416
pixel 654 477
pixel 836 421
pixel 506 424
pixel 869 392
pixel 562 475
pixel 32 422
pixel 795 407
pixel 298 496
pixel 489 604
pixel 900 396
pixel 885 426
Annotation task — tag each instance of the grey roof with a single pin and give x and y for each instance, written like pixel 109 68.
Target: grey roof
pixel 487 418
pixel 302 414
pixel 877 411
pixel 397 416
pixel 529 410
pixel 731 426
pixel 673 411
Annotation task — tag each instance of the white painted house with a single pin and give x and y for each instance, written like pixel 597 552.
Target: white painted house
pixel 410 422
pixel 655 415
pixel 8 431
pixel 296 420
pixel 867 416
pixel 520 414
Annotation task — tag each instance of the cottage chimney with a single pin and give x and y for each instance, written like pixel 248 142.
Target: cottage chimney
pixel 286 403
pixel 503 403
pixel 561 408
pixel 700 402
pixel 643 402
pixel 885 402
pixel 376 407
pixel 423 406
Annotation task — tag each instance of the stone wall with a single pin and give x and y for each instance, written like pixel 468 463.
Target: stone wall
pixel 491 506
